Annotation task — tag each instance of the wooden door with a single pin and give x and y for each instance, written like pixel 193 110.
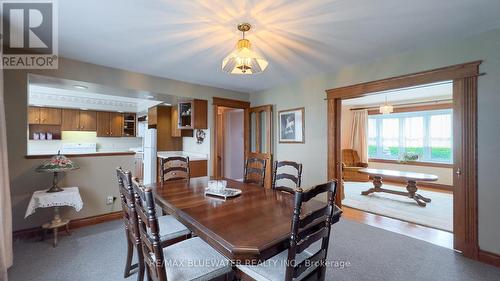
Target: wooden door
pixel 33 115
pixel 258 132
pixel 70 120
pixel 88 120
pixel 103 124
pixel 50 116
pixel 116 124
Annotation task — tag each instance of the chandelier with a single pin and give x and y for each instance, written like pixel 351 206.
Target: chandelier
pixel 244 60
pixel 386 108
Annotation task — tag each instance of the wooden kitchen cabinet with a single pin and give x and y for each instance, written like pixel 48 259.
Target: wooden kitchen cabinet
pixel 78 120
pixel 44 115
pixel 88 120
pixel 33 115
pixel 193 115
pixel 109 124
pixel 160 117
pixel 116 124
pixel 50 116
pixel 152 117
pixel 176 132
pixel 198 168
pixel 138 166
pixel 103 124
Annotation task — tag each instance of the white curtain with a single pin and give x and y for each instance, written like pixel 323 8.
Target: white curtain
pixel 359 134
pixel 5 210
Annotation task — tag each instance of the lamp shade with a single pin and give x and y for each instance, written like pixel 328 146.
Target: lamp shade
pixel 58 163
pixel 244 60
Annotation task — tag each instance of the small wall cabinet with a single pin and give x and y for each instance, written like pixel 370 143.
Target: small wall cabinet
pixel 129 125
pixel 192 115
pixel 78 120
pixel 109 124
pixel 44 115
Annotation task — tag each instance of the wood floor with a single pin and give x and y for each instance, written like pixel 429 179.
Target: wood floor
pixel 431 235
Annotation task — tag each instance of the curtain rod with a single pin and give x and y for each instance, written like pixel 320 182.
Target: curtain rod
pixel 405 104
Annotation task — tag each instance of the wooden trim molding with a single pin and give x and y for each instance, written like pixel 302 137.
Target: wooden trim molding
pixel 398 109
pixel 73 224
pixel 489 258
pixel 464 77
pixel 231 103
pixel 97 154
pixel 453 72
pixel 411 163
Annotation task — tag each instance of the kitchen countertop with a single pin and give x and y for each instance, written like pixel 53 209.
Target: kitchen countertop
pixel 192 156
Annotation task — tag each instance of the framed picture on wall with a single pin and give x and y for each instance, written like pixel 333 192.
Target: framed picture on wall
pixel 291 125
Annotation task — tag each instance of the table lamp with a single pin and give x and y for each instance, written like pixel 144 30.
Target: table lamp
pixel 58 163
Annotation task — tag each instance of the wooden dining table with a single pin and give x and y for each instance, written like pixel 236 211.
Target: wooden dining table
pixel 251 227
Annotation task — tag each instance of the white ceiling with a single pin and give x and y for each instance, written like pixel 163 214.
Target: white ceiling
pixel 424 93
pixel 186 40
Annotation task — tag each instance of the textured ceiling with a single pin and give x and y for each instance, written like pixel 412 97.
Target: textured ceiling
pixel 186 40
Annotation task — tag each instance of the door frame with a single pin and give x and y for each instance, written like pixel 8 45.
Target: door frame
pixel 464 77
pixel 231 103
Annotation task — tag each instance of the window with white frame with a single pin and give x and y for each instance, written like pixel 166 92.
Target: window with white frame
pixel 429 134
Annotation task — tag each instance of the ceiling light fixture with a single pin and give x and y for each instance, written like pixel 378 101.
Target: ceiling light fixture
pixel 81 87
pixel 386 108
pixel 244 60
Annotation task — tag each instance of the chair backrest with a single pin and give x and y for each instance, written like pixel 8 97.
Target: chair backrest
pixel 149 232
pixel 350 157
pixel 294 178
pixel 174 168
pixel 128 202
pixel 305 233
pixel 255 170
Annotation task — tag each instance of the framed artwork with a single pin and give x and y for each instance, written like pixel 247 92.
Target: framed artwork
pixel 291 125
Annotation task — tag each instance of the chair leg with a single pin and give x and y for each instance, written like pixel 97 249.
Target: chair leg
pixel 128 262
pixel 140 262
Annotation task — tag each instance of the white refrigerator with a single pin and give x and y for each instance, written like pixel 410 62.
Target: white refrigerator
pixel 149 154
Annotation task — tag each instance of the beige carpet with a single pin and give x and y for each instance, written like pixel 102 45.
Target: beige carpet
pixel 437 214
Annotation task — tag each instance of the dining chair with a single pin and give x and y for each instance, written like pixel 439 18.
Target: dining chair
pixel 174 230
pixel 191 259
pixel 285 181
pixel 308 241
pixel 174 168
pixel 255 170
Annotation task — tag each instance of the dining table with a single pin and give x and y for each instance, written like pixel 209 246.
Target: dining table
pixel 249 228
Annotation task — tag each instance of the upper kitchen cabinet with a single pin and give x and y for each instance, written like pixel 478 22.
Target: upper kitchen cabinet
pixel 160 118
pixel 176 132
pixel 109 124
pixel 193 114
pixel 44 115
pixel 78 120
pixel 153 117
pixel 129 125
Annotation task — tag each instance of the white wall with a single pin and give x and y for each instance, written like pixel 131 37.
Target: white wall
pixel 310 93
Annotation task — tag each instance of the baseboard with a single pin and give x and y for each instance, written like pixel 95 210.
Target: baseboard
pixel 73 224
pixel 489 258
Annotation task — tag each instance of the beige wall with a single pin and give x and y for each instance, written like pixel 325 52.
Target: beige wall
pixel 310 93
pixel 96 178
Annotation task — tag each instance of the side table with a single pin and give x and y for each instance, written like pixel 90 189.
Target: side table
pixel 70 196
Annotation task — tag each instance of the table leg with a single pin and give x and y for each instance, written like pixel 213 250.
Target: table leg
pixel 412 193
pixel 55 237
pixel 377 184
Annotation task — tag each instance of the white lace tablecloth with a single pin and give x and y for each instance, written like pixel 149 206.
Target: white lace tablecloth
pixel 42 199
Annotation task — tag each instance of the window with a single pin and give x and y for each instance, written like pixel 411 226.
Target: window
pixel 426 133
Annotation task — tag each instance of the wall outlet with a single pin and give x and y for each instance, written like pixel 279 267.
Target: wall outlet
pixel 110 200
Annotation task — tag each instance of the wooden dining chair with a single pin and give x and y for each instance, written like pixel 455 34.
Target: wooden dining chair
pixel 284 181
pixel 306 256
pixel 255 170
pixel 174 230
pixel 191 259
pixel 174 168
